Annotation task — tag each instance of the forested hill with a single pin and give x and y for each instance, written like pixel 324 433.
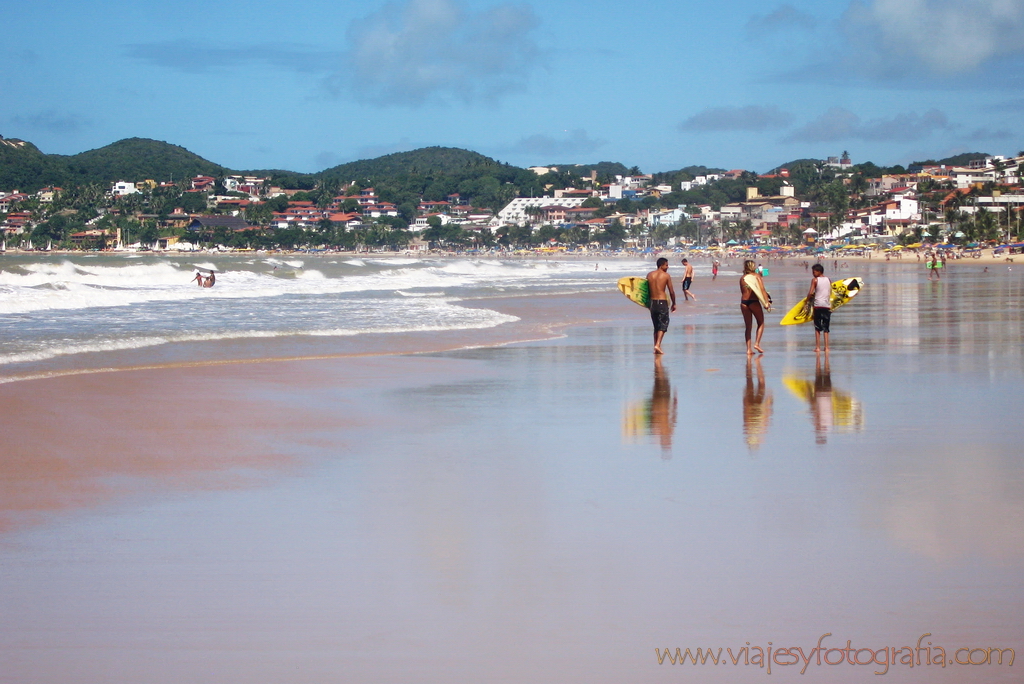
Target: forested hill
pixel 424 161
pixel 24 167
pixel 136 159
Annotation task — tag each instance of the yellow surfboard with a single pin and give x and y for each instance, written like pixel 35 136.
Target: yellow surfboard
pixel 636 290
pixel 842 292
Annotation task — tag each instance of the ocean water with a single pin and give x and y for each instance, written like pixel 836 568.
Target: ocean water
pixel 71 308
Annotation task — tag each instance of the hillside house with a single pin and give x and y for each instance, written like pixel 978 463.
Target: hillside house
pixel 203 183
pixel 123 188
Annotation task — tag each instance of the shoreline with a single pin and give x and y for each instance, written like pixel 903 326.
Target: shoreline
pixel 555 314
pixel 985 255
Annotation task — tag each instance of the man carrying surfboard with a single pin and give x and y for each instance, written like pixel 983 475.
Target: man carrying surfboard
pixel 658 281
pixel 821 294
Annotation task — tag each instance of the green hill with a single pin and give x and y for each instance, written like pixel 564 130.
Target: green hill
pixel 424 161
pixel 957 160
pixel 23 167
pixel 136 159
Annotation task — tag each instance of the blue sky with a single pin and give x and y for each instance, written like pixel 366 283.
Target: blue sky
pixel 655 84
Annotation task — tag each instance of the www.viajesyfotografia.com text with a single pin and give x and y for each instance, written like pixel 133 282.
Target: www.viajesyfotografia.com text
pixel 924 654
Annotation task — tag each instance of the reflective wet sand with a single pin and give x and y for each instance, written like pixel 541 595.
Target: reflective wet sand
pixel 553 511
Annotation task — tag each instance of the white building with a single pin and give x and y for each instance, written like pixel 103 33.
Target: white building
pixel 669 217
pixel 122 188
pixel 516 210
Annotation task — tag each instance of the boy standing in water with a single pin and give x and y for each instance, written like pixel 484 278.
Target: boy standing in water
pixel 821 294
pixel 687 280
pixel 658 281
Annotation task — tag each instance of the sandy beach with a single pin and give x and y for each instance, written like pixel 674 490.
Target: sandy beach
pixel 537 501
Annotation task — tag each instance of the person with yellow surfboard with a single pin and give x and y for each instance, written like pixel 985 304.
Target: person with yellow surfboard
pixel 754 301
pixel 821 294
pixel 658 281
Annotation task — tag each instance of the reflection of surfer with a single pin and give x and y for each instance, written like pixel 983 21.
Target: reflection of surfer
pixel 754 300
pixel 821 401
pixel 664 409
pixel 821 294
pixel 658 281
pixel 757 405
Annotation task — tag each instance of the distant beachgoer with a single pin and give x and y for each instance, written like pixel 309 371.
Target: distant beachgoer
pixel 753 299
pixel 687 281
pixel 820 295
pixel 199 279
pixel 210 280
pixel 714 269
pixel 658 281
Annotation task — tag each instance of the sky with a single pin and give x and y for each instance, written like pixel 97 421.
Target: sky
pixel 660 85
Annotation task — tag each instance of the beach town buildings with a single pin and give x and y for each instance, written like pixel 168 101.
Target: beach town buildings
pixel 522 210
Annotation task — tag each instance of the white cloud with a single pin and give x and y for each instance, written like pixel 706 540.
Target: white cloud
pixel 51 121
pixel 196 58
pixel 749 118
pixel 555 150
pixel 986 133
pixel 945 36
pixel 841 124
pixel 783 18
pixel 423 50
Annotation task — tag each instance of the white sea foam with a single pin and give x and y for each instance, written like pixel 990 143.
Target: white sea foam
pixel 444 316
pixel 55 306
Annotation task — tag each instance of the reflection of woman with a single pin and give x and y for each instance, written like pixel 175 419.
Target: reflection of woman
pixel 754 300
pixel 757 405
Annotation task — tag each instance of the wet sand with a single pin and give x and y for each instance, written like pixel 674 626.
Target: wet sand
pixel 547 511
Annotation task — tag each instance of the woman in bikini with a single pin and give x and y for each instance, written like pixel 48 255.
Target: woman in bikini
pixel 750 307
